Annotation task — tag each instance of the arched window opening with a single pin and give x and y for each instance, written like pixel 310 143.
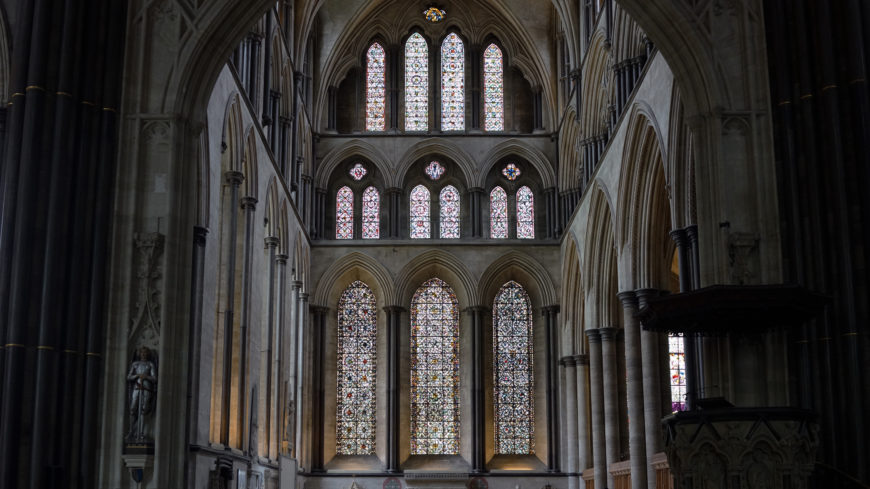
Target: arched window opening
pixel 420 212
pixel 357 360
pixel 493 89
pixel 513 356
pixel 449 202
pixel 498 214
pixel 371 214
pixel 434 370
pixel 344 213
pixel 416 83
pixel 525 213
pixel 677 365
pixel 376 102
pixel 452 83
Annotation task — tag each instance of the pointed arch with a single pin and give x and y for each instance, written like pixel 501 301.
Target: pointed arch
pixel 449 208
pixel 523 268
pixel 432 147
pixel 498 213
pixel 416 83
pixel 518 147
pixel 525 213
pixel 344 213
pixel 371 213
pixel 249 165
pixel 420 213
pixel 452 83
pixel 431 263
pixel 601 280
pixel 376 97
pixel 350 149
pixel 493 88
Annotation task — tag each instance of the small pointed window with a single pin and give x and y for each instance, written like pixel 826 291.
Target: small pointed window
pixel 525 213
pixel 344 213
pixel 449 203
pixel 498 214
pixel 420 224
pixel 371 214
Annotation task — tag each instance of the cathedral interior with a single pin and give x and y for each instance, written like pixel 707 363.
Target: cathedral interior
pixel 401 244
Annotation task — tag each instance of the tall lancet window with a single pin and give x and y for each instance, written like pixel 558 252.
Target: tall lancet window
pixel 434 370
pixel 376 101
pixel 357 357
pixel 493 89
pixel 449 201
pixel 498 214
pixel 344 213
pixel 513 355
pixel 371 214
pixel 677 363
pixel 525 213
pixel 420 212
pixel 452 83
pixel 416 83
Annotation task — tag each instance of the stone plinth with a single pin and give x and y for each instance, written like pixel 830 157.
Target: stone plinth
pixel 747 448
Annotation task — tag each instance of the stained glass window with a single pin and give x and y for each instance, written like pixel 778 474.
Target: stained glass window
pixel 420 212
pixel 371 214
pixel 493 89
pixel 452 83
pixel 498 218
pixel 434 14
pixel 357 348
pixel 375 89
pixel 434 170
pixel 358 171
pixel 449 200
pixel 344 213
pixel 513 354
pixel 677 360
pixel 525 213
pixel 511 171
pixel 416 83
pixel 434 370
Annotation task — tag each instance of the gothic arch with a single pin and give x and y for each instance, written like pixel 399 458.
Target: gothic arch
pixel 438 263
pixel 644 216
pixel 517 147
pixel 597 88
pixel 516 265
pixel 271 216
pixel 569 143
pixel 601 281
pixel 572 302
pixel 680 165
pixel 432 146
pixel 283 230
pixel 231 136
pixel 364 265
pixel 354 147
pixel 250 165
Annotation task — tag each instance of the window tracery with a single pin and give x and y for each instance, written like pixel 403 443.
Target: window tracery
pixel 513 356
pixel 357 358
pixel 416 83
pixel 376 101
pixel 434 370
pixel 452 83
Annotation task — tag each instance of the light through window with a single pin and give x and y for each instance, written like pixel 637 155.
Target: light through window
pixel 493 89
pixel 452 84
pixel 344 213
pixel 375 89
pixel 416 83
pixel 420 212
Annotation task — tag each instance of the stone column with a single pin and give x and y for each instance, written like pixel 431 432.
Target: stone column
pixel 249 207
pixel 684 254
pixel 393 198
pixel 570 434
pixel 293 349
pixel 652 366
pixel 268 426
pixel 635 391
pixel 316 376
pixel 596 392
pixel 611 380
pixel 478 418
pixel 234 179
pixel 278 363
pixel 584 450
pixel 477 197
pixel 194 338
pixel 550 313
pixel 301 372
pixel 394 317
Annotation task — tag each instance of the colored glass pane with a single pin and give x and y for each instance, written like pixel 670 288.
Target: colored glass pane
pixel 498 218
pixel 416 83
pixel 376 101
pixel 434 14
pixel 355 379
pixel 677 365
pixel 434 170
pixel 420 212
pixel 511 171
pixel 493 89
pixel 371 214
pixel 513 354
pixel 344 213
pixel 525 213
pixel 449 203
pixel 434 370
pixel 358 171
pixel 452 83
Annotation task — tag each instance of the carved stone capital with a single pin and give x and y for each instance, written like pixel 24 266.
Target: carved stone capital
pixel 234 178
pixel 248 203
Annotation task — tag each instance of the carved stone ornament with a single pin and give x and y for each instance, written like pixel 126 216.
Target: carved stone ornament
pixel 145 321
pixel 743 257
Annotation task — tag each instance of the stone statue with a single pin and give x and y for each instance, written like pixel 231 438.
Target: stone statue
pixel 143 377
